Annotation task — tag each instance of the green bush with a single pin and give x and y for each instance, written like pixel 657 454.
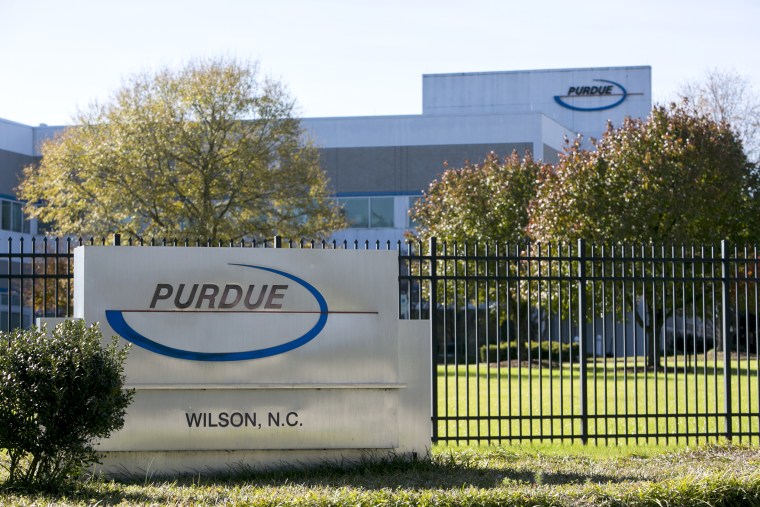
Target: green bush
pixel 57 395
pixel 551 351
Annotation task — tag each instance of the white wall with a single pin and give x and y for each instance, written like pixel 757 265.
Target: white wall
pixel 420 130
pixel 534 91
pixel 16 137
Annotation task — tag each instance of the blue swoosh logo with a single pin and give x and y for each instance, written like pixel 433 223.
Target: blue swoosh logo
pixel 116 320
pixel 558 99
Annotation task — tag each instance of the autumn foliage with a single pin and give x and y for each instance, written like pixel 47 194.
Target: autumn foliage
pixel 210 151
pixel 480 202
pixel 677 176
pixel 674 177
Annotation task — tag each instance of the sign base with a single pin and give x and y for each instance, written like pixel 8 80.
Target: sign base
pixel 414 418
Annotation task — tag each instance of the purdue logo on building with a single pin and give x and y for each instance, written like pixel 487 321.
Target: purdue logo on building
pixel 255 306
pixel 576 96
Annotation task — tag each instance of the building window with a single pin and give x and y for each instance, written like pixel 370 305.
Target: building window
pixel 380 212
pixel 6 215
pixel 12 217
pixel 368 212
pixel 355 209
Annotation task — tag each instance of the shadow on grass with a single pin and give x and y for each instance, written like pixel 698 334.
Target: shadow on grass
pixel 84 494
pixel 440 472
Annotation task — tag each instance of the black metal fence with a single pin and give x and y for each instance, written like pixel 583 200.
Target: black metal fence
pixel 36 280
pixel 600 344
pixel 587 343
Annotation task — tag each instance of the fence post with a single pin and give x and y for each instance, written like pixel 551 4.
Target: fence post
pixel 117 239
pixel 7 323
pixel 724 326
pixel 433 313
pixel 582 340
pixel 277 242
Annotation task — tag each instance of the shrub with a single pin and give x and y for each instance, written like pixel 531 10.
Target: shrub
pixel 551 351
pixel 57 395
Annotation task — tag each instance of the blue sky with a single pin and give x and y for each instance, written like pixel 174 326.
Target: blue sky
pixel 347 58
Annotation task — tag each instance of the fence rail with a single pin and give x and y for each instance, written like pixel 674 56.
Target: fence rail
pixel 586 343
pixel 589 343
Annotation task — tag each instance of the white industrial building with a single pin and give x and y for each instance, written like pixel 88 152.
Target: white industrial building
pixel 378 165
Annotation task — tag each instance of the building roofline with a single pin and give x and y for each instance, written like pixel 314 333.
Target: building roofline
pixel 40 126
pixel 526 71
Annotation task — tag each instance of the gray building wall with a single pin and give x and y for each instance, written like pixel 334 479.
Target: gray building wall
pixel 550 154
pixel 402 169
pixel 11 165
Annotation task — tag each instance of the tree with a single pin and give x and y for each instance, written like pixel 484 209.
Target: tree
pixel 726 96
pixel 676 177
pixel 210 151
pixel 479 202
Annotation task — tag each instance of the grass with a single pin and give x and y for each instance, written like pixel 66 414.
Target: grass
pixel 662 471
pixel 520 475
pixel 627 404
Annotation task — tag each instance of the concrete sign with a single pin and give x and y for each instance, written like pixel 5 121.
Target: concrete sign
pixel 237 350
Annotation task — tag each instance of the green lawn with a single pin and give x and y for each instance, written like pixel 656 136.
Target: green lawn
pixel 626 403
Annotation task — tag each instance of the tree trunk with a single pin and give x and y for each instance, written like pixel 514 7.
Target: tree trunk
pixel 648 323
